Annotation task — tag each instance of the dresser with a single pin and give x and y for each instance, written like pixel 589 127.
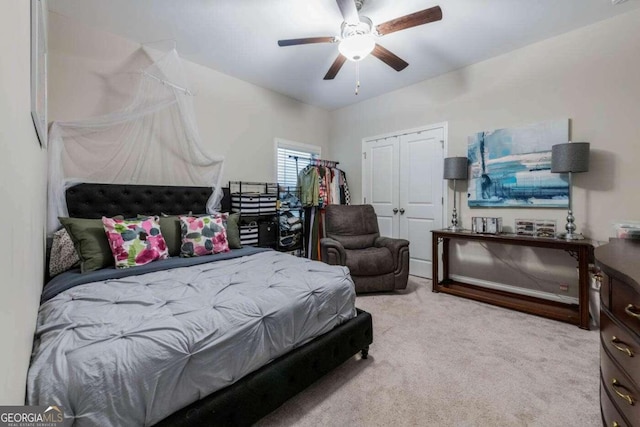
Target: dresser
pixel 619 261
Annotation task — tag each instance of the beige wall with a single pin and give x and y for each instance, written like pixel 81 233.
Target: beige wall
pixel 591 76
pixel 92 73
pixel 22 204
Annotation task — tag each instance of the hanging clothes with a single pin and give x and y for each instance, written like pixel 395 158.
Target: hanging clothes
pixel 345 189
pixel 309 180
pixel 341 182
pixel 320 185
pixel 314 240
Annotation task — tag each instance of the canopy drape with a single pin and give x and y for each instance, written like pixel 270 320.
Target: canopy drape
pixel 154 140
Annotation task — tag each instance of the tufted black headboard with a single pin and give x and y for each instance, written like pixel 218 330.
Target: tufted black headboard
pixel 97 200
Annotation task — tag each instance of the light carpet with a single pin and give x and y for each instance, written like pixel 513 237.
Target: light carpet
pixel 441 360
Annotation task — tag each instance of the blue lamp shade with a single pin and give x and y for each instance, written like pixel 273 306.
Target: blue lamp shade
pixel 455 168
pixel 570 157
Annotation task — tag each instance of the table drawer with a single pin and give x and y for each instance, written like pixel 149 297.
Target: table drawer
pixel 625 305
pixel 620 388
pixel 610 414
pixel 621 345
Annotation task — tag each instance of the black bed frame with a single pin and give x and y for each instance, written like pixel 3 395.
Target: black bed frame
pixel 259 393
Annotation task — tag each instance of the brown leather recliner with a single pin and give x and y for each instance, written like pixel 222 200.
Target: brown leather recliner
pixel 353 239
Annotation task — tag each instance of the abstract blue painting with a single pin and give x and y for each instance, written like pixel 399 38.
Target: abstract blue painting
pixel 512 167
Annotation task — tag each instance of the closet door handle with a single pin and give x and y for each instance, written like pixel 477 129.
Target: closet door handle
pixel 395 211
pixel 401 211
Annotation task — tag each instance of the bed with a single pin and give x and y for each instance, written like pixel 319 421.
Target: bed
pixel 220 340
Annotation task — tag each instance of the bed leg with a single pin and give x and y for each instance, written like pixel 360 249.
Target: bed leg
pixel 365 352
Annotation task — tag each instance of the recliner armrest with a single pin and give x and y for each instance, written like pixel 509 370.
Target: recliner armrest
pixel 394 246
pixel 332 252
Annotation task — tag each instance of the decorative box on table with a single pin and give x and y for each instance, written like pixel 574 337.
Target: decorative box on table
pixel 486 225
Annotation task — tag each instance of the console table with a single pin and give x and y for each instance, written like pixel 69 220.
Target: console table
pixel 581 250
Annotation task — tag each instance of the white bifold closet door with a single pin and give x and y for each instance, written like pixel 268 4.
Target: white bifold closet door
pixel 402 180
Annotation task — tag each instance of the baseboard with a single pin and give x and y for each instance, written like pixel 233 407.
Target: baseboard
pixel 514 289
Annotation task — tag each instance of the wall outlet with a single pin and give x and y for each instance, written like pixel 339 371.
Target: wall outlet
pixel 564 287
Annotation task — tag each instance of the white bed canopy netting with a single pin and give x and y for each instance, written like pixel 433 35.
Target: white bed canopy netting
pixel 154 140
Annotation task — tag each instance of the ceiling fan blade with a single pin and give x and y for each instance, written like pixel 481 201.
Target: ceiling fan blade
pixel 412 20
pixel 349 11
pixel 389 58
pixel 308 40
pixel 335 67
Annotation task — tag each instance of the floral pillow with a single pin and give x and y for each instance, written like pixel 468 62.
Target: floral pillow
pixel 203 235
pixel 230 223
pixel 135 242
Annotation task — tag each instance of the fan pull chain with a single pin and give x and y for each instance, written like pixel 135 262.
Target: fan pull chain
pixel 357 77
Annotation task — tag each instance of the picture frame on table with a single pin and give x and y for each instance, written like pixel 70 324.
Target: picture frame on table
pixel 39 69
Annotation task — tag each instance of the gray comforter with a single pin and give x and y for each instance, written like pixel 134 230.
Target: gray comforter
pixel 132 350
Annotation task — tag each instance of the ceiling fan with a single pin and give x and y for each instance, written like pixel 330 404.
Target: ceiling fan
pixel 357 36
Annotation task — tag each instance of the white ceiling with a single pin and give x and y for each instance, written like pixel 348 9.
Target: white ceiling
pixel 239 37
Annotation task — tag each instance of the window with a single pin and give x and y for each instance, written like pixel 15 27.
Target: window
pixel 287 171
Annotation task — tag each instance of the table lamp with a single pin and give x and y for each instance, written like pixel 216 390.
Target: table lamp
pixel 455 168
pixel 570 158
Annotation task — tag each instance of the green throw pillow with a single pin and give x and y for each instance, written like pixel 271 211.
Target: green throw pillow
pixel 233 233
pixel 90 241
pixel 170 228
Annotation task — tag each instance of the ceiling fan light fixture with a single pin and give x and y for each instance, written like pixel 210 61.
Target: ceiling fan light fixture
pixel 358 36
pixel 357 47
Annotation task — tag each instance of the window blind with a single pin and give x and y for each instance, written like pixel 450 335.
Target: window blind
pixel 287 173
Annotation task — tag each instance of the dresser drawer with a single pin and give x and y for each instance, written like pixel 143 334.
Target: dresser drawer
pixel 610 415
pixel 621 346
pixel 625 305
pixel 620 388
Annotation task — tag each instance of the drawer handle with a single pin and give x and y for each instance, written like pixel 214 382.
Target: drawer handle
pixel 615 341
pixel 626 397
pixel 615 424
pixel 632 311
